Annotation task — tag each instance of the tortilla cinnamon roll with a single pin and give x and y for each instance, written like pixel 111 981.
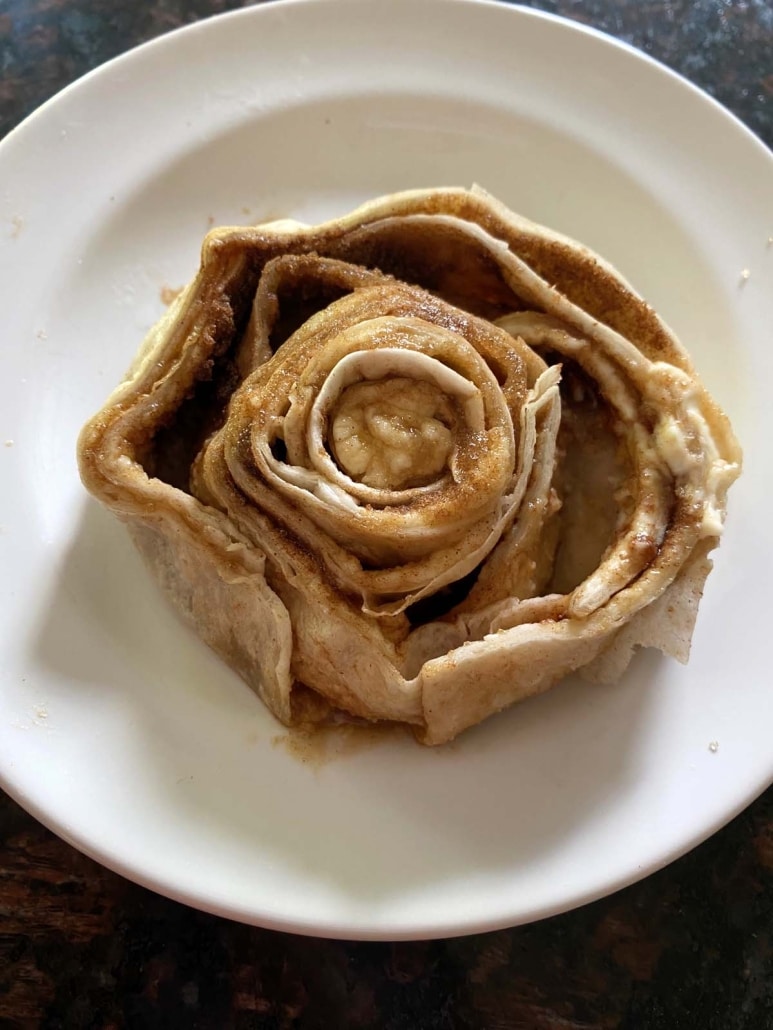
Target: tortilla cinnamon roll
pixel 346 455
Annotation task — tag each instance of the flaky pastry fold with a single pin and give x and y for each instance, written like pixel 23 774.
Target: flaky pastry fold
pixel 416 463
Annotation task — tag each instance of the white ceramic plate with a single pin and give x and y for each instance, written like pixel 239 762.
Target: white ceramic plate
pixel 121 731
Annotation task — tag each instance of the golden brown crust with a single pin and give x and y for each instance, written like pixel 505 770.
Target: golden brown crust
pixel 439 599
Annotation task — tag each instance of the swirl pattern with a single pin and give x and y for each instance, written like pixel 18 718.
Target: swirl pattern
pixel 417 463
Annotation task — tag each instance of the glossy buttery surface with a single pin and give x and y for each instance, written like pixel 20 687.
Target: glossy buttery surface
pixel 117 727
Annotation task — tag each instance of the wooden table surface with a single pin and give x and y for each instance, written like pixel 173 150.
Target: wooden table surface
pixel 690 947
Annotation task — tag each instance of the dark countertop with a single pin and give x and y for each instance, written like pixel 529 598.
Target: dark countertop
pixel 689 947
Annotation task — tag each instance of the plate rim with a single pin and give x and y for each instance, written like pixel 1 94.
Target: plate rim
pixel 58 825
pixel 519 9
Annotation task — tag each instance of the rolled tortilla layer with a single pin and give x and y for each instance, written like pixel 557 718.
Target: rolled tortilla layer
pixel 346 456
